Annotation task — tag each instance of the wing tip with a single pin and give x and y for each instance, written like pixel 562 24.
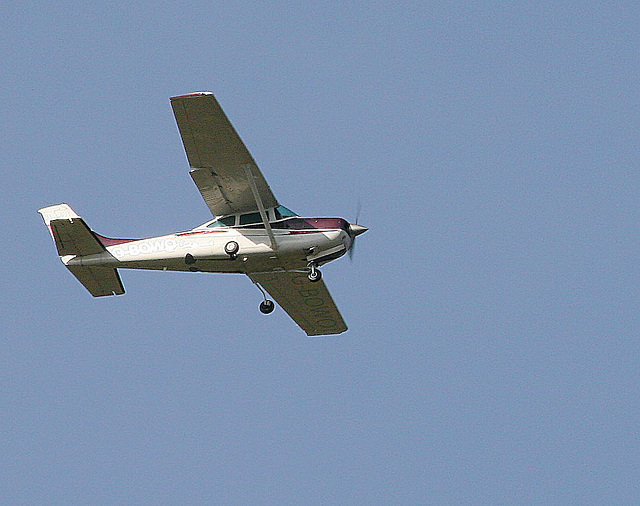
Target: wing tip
pixel 191 95
pixel 325 333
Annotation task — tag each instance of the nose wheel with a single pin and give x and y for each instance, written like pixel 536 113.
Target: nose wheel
pixel 314 273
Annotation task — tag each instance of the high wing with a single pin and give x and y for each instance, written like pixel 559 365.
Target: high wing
pixel 220 162
pixel 309 304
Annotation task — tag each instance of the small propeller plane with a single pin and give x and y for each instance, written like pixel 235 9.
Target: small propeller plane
pixel 251 233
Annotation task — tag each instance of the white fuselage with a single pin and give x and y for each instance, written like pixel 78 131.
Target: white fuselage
pixel 204 250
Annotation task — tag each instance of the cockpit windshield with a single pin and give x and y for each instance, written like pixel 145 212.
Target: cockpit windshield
pixel 227 221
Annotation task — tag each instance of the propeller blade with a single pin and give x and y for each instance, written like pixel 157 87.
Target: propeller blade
pixel 352 249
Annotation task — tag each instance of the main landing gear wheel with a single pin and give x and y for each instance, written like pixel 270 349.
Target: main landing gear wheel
pixel 314 274
pixel 231 249
pixel 267 307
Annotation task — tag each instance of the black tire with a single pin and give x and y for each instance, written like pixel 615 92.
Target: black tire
pixel 314 275
pixel 267 307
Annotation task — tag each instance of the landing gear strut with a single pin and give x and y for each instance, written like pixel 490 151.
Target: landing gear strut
pixel 314 273
pixel 266 306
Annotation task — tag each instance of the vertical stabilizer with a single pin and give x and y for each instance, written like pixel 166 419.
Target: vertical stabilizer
pixel 75 240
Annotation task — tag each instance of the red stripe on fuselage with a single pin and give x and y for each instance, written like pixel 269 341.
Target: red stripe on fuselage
pixel 202 232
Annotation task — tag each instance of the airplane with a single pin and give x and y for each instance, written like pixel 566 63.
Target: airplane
pixel 250 233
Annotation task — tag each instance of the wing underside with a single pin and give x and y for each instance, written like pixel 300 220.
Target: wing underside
pixel 218 157
pixel 309 304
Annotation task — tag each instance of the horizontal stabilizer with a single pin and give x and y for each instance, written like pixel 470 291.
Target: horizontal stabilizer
pixel 100 281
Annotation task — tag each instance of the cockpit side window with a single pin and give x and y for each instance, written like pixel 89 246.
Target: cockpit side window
pixel 282 212
pixel 227 221
pixel 249 218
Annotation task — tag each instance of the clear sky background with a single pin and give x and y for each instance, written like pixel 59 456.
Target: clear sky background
pixel 493 306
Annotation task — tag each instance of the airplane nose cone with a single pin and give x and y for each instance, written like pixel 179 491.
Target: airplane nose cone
pixel 356 229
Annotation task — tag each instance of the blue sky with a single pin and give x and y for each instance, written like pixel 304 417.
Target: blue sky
pixel 492 355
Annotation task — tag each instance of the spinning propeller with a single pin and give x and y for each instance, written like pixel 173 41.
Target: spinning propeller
pixel 354 231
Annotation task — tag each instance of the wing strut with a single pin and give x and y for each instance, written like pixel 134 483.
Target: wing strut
pixel 263 213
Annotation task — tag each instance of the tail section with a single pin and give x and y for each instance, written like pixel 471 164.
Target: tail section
pixel 75 240
pixel 70 233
